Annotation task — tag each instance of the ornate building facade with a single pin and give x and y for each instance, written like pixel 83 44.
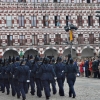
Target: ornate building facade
pixel 37 27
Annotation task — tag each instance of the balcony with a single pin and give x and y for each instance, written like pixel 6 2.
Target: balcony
pixel 50 5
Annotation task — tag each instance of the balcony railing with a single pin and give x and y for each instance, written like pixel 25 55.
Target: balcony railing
pixel 50 4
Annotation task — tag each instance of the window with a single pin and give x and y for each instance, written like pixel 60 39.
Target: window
pixel 91 38
pixel 9 21
pixel 29 0
pixel 80 39
pixel 9 0
pixel 9 40
pixel 99 21
pixel 79 20
pixel 77 1
pixel 46 39
pixel 58 39
pixel 67 1
pixel 90 20
pixel 33 0
pixel 21 0
pixel 67 20
pixel 45 21
pixel 33 21
pixel 21 21
pixel 22 40
pixel 56 0
pixel 98 0
pixel 57 20
pixel 43 1
pixel 34 40
pixel 88 1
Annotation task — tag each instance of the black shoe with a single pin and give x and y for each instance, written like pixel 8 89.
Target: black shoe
pixel 47 98
pixel 54 93
pixel 62 95
pixel 70 95
pixel 24 98
pixel 13 95
pixel 18 97
pixel 3 91
pixel 74 96
pixel 32 93
pixel 8 93
pixel 39 96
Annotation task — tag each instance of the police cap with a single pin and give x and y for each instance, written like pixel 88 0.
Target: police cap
pixel 31 57
pixel 17 58
pixel 71 60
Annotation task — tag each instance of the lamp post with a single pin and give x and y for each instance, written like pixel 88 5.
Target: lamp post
pixel 69 28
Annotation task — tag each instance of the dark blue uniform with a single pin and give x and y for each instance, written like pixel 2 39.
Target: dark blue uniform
pixel 46 72
pixel 32 81
pixel 15 82
pixel 71 71
pixel 23 75
pixel 37 75
pixel 60 69
pixel 53 82
pixel 1 78
pixel 5 74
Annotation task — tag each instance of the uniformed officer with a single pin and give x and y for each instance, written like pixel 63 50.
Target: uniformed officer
pixel 23 75
pixel 1 79
pixel 71 71
pixel 59 69
pixel 32 81
pixel 53 82
pixel 46 72
pixel 10 66
pixel 5 72
pixel 36 74
pixel 16 88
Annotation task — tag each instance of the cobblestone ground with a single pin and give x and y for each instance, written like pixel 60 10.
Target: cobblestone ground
pixel 86 89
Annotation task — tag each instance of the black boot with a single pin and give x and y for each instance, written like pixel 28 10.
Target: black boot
pixel 70 94
pixel 74 96
pixel 23 98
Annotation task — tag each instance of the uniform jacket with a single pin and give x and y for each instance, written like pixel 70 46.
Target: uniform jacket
pixel 60 69
pixel 71 71
pixel 47 72
pixel 23 73
pixel 35 70
pixel 14 68
pixel 30 64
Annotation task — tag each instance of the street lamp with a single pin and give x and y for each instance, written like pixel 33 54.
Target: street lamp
pixel 69 28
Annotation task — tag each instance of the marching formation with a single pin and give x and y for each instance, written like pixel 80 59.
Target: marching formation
pixel 18 75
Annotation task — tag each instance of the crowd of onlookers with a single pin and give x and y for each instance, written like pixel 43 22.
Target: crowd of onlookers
pixel 88 67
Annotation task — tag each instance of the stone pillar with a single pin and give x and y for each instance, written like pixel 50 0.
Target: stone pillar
pixel 79 55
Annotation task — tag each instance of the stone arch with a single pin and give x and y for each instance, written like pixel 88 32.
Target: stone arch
pixel 87 51
pixel 51 52
pixel 68 51
pixel 31 52
pixel 10 52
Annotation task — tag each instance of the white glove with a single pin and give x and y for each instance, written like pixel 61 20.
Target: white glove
pixel 28 81
pixel 62 71
pixel 30 70
pixel 55 78
pixel 13 76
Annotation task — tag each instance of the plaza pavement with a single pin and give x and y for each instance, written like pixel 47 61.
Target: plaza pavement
pixel 86 89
